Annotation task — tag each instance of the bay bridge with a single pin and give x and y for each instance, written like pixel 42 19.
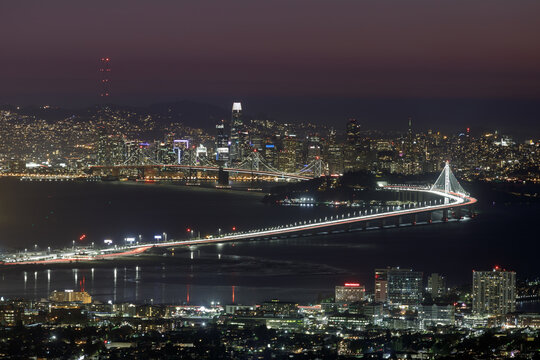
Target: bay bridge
pixel 254 165
pixel 446 196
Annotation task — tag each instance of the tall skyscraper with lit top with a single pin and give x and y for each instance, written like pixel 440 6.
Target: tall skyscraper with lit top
pixel 494 292
pixel 237 127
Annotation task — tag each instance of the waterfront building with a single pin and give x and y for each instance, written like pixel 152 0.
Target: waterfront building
pixel 17 166
pixel 71 296
pixel 111 150
pixel 494 292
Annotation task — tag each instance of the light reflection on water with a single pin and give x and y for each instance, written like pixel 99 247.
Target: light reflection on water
pixel 105 285
pixel 139 284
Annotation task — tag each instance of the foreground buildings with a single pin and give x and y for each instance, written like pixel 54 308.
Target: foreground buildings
pixel 398 286
pixel 494 292
pixel 71 324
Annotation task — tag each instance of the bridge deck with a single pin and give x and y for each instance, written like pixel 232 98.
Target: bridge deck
pixel 456 200
pixel 294 176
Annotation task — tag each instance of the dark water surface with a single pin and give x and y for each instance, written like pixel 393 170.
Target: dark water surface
pixel 301 269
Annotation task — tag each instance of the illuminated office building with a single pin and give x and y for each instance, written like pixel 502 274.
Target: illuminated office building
pixel 349 293
pixel 398 286
pixel 494 292
pixel 381 285
pixel 222 143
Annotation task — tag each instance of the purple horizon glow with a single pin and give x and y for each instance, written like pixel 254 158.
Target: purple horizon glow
pixel 343 48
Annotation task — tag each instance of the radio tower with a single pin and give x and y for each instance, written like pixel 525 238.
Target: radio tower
pixel 104 77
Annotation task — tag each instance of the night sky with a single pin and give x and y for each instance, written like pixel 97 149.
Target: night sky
pixel 473 63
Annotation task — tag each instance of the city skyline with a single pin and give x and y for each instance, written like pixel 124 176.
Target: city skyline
pixel 371 114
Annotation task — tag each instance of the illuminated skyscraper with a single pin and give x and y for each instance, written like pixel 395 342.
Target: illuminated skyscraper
pixel 237 128
pixel 404 287
pixel 334 157
pixel 111 150
pixel 351 148
pixel 398 286
pixel 494 292
pixel 353 132
pixel 381 285
pixel 288 154
pixel 222 143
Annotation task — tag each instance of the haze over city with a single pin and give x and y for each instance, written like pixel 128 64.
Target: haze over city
pixel 448 64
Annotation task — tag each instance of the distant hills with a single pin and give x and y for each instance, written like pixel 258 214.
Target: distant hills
pixel 189 113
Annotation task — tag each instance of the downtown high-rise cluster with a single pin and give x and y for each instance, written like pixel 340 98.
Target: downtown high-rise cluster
pixel 117 136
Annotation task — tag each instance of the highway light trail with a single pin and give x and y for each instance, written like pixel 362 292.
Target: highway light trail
pixel 455 200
